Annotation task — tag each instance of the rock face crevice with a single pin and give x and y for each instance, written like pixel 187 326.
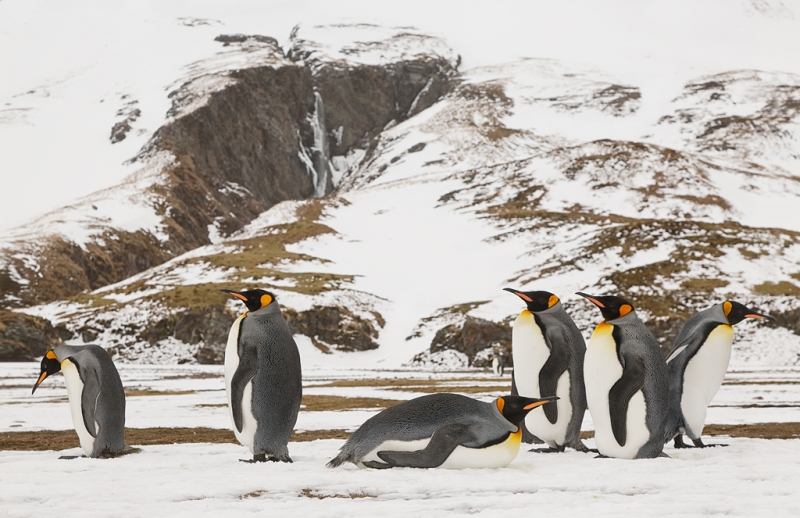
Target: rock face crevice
pixel 238 151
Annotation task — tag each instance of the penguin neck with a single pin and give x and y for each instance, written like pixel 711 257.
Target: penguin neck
pixel 511 427
pixel 270 309
pixel 630 318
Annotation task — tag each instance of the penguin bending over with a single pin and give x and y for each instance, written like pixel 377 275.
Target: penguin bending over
pixel 697 364
pixel 440 431
pixel 548 351
pixel 263 378
pixel 626 383
pixel 96 396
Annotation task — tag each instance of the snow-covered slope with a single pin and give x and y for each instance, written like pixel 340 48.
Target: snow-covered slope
pixel 668 172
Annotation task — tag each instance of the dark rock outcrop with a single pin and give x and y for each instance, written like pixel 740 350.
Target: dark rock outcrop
pixel 208 326
pixel 473 336
pixel 334 326
pixel 27 338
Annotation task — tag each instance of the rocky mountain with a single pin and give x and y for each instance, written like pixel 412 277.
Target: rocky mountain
pixel 387 197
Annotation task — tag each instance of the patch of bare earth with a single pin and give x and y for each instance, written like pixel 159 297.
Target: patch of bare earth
pixel 64 439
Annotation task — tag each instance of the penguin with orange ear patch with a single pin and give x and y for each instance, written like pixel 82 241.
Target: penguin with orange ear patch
pixel 697 365
pixel 440 431
pixel 548 350
pixel 263 378
pixel 626 383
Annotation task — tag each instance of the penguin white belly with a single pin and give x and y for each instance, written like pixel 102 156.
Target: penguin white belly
pixel 495 456
pixel 554 434
pixel 249 423
pixel 637 433
pixel 75 391
pixel 530 352
pixel 496 366
pixel 372 456
pixel 703 376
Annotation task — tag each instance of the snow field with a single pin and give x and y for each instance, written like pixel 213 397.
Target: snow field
pixel 749 478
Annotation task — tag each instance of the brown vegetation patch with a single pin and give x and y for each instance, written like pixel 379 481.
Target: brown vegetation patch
pixel 505 389
pixel 315 493
pixel 63 439
pixel 400 382
pixel 320 403
pixel 777 289
pixel 135 392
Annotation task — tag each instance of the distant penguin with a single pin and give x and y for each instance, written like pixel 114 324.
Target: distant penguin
pixel 626 383
pixel 440 431
pixel 96 396
pixel 548 351
pixel 697 365
pixel 263 378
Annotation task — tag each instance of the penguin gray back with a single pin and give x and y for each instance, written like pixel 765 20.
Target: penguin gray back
pixel 268 361
pixel 419 418
pixel 638 348
pixel 103 396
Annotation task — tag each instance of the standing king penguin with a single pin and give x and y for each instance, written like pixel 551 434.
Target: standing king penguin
pixel 440 431
pixel 697 364
pixel 626 383
pixel 548 351
pixel 263 377
pixel 96 396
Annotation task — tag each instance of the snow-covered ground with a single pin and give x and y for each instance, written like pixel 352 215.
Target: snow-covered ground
pixel 748 478
pixel 751 477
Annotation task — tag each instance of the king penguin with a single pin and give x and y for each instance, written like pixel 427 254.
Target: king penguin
pixel 440 431
pixel 263 378
pixel 626 383
pixel 697 364
pixel 96 396
pixel 548 351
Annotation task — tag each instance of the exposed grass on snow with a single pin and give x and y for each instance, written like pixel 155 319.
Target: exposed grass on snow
pixel 64 439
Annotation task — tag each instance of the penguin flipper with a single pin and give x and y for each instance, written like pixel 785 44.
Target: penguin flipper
pixel 619 397
pixel 443 442
pixel 556 365
pixel 246 371
pixel 89 396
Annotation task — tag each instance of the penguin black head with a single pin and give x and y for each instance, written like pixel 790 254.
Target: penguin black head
pixel 535 300
pixel 50 365
pixel 611 307
pixel 736 312
pixel 515 408
pixel 253 299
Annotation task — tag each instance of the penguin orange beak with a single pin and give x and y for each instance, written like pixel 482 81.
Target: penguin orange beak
pixel 591 299
pixel 235 294
pixel 518 294
pixel 758 315
pixel 42 376
pixel 541 402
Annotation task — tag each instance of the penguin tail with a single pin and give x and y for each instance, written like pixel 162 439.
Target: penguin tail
pixel 340 459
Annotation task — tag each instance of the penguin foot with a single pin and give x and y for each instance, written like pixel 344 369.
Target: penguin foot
pixel 545 450
pixel 601 456
pixel 680 444
pixel 280 459
pixel 261 457
pixel 374 464
pixel 698 443
pixel 71 457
